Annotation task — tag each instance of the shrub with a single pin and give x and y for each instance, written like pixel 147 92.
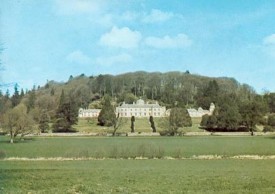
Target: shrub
pixel 268 128
pixel 271 120
pixel 165 133
pixel 204 120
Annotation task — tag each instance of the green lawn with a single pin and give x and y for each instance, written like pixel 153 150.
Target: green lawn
pixel 138 176
pixel 138 146
pixel 141 125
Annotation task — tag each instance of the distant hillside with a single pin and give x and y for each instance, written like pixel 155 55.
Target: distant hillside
pixel 168 88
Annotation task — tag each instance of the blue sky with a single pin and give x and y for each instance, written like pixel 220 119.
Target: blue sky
pixel 53 39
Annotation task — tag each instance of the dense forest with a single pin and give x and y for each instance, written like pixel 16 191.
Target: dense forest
pixel 48 103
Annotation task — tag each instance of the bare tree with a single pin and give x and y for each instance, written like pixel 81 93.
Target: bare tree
pixel 118 123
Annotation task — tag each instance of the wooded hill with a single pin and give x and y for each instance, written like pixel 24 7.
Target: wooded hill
pixel 168 88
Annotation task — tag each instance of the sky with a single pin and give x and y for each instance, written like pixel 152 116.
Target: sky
pixel 53 39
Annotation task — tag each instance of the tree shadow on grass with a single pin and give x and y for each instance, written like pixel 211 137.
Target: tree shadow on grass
pixel 271 137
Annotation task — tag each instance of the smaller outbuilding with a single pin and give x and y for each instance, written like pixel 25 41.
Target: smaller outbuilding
pixel 200 112
pixel 88 113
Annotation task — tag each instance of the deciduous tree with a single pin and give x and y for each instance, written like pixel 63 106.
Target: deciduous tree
pixel 17 121
pixel 179 117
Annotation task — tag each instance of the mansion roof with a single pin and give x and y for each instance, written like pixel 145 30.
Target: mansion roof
pixel 140 104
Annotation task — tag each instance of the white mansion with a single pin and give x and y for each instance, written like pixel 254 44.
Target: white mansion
pixel 200 112
pixel 141 109
pixel 138 109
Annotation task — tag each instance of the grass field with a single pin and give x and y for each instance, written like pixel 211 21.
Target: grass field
pixel 118 174
pixel 141 125
pixel 144 176
pixel 138 146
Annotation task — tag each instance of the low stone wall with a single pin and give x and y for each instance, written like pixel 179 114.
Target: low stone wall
pixel 149 134
pixel 142 134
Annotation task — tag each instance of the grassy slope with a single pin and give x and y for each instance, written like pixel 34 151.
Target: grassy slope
pixel 132 176
pixel 138 146
pixel 141 125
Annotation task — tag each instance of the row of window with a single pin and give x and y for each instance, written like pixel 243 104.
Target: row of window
pixel 89 115
pixel 140 109
pixel 138 114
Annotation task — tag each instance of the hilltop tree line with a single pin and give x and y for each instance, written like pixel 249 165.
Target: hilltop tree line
pixel 55 105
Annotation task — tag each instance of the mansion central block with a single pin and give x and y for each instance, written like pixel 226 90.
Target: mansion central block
pixel 141 109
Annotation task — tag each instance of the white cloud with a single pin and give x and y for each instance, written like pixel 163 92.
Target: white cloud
pixel 180 41
pixel 123 58
pixel 156 16
pixel 121 38
pixel 78 6
pixel 78 57
pixel 269 40
pixel 269 45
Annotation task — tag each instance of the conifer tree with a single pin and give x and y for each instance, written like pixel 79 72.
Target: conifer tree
pixel 15 99
pixel 133 124
pixel 66 115
pixel 107 116
pixel 44 122
pixel 31 99
pixel 151 120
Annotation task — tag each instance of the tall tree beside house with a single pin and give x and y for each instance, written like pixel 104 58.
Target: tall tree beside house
pixel 225 118
pixel 107 116
pixel 133 124
pixel 151 120
pixel 179 117
pixel 66 115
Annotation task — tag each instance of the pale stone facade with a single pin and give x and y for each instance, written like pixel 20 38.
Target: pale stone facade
pixel 141 109
pixel 200 112
pixel 91 113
